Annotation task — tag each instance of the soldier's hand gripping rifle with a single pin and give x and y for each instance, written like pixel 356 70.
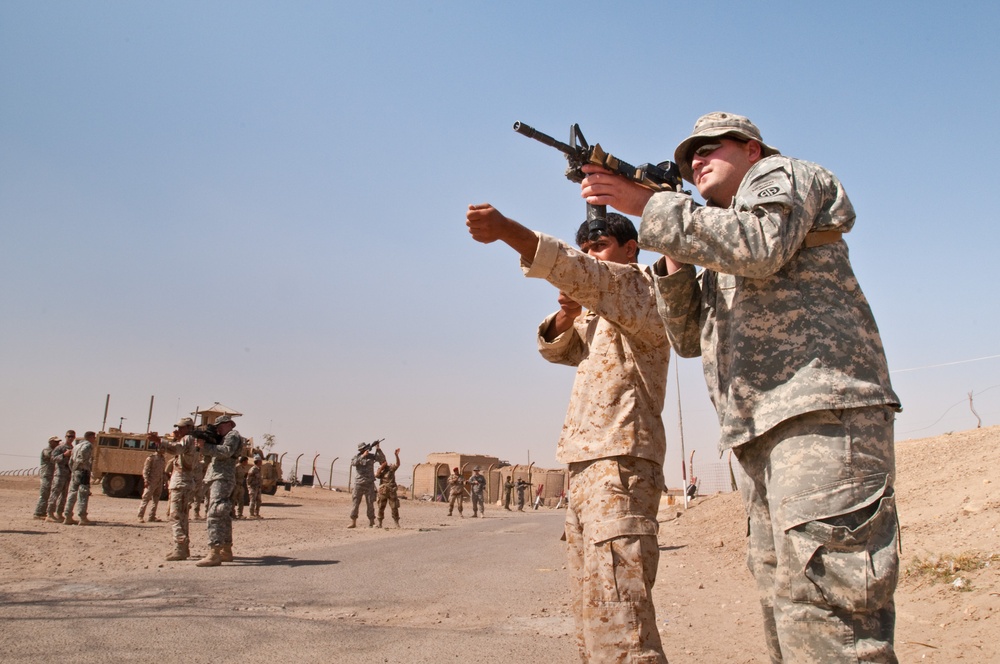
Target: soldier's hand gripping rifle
pixel 664 176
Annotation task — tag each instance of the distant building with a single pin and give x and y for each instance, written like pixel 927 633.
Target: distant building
pixel 430 479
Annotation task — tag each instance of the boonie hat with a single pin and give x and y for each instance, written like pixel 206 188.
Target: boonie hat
pixel 184 422
pixel 55 439
pixel 222 419
pixel 717 125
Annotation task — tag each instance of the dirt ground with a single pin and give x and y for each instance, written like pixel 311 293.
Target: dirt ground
pixel 947 601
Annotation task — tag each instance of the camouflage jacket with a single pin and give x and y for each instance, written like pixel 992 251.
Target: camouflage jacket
pixel 60 460
pixel 456 484
pixel 224 457
pixel 187 462
pixel 620 350
pixel 83 456
pixel 253 478
pixel 477 483
pixel 46 465
pixel 152 469
pixel 364 467
pixel 782 329
pixel 387 475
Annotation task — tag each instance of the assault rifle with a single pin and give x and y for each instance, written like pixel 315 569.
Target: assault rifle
pixel 370 446
pixel 665 176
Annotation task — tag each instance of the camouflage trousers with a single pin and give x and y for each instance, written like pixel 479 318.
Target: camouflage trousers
pixel 366 491
pixel 818 491
pixel 57 495
pixel 254 502
pixel 150 493
pixel 478 504
pixel 456 497
pixel 79 490
pixel 387 495
pixel 239 498
pixel 44 491
pixel 613 554
pixel 219 515
pixel 181 497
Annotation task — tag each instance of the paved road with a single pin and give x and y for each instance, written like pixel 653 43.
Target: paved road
pixel 484 590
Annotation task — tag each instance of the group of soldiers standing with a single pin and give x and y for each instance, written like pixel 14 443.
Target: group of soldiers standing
pixel 65 479
pixel 365 475
pixel 220 479
pixel 456 489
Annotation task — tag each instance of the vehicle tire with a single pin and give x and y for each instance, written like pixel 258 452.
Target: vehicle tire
pixel 117 486
pixel 273 490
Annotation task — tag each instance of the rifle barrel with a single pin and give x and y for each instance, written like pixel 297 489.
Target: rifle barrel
pixel 531 132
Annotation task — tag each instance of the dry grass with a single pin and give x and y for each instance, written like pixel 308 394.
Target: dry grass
pixel 949 568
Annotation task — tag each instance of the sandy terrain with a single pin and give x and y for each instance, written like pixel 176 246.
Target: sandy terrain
pixel 947 602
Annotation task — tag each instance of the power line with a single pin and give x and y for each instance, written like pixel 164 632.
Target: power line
pixel 946 364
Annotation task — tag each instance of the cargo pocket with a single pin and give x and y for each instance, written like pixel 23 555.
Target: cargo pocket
pixel 623 551
pixel 841 545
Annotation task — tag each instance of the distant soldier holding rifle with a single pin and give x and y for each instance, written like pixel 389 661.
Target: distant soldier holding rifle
pixel 508 488
pixel 456 491
pixel 477 490
pixel 219 479
pixel 364 480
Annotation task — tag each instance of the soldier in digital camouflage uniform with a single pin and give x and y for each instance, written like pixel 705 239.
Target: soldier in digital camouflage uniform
pixel 253 481
pixel 477 490
pixel 219 480
pixel 521 487
pixel 612 439
pixel 364 482
pixel 152 481
pixel 240 487
pixel 182 485
pixel 46 467
pixel 387 490
pixel 795 366
pixel 455 491
pixel 60 478
pixel 81 461
pixel 508 487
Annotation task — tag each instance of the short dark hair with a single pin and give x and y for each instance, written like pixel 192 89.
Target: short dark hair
pixel 618 226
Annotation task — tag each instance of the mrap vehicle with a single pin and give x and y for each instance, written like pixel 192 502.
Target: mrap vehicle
pixel 119 458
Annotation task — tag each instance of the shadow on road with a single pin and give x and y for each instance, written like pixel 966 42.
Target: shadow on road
pixel 269 561
pixel 673 548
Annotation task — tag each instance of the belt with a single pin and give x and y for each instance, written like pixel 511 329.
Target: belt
pixel 819 238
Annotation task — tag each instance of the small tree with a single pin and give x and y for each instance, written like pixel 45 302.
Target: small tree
pixel 268 443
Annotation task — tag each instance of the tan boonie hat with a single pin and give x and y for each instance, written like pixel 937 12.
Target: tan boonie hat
pixel 55 439
pixel 717 125
pixel 184 422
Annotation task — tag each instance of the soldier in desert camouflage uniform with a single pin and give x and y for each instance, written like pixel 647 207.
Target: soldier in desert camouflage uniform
pixel 46 467
pixel 253 481
pixel 60 477
pixel 182 485
pixel 612 439
pixel 81 462
pixel 796 369
pixel 387 490
pixel 152 481
pixel 240 488
pixel 456 491
pixel 219 480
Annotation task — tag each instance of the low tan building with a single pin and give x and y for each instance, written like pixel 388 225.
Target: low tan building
pixel 430 479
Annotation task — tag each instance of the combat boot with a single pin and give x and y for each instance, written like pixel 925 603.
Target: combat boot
pixel 371 523
pixel 212 559
pixel 397 522
pixel 70 521
pixel 380 523
pixel 354 523
pixel 53 518
pixel 180 552
pixel 153 518
pixel 84 521
pixel 227 553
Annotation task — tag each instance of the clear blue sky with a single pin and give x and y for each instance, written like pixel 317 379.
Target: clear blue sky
pixel 262 203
